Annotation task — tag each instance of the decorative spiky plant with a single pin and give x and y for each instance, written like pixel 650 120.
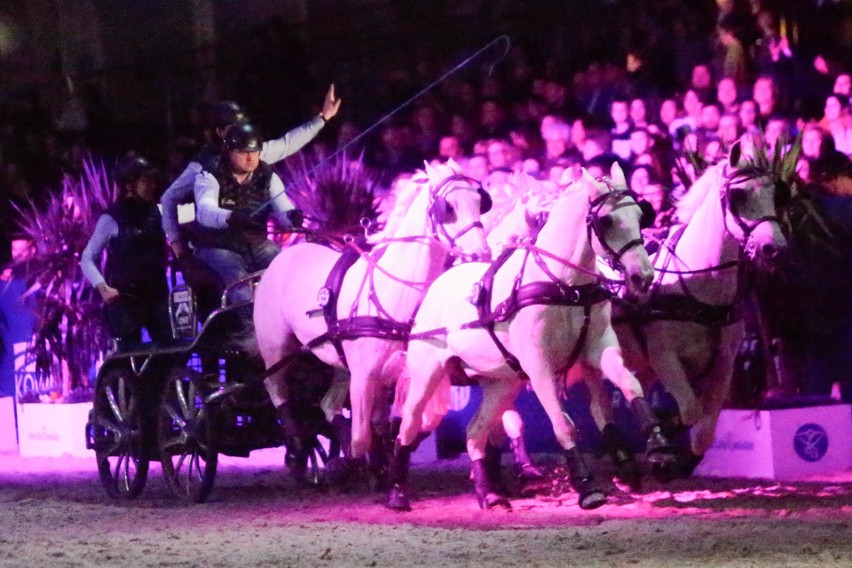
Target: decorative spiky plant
pixel 800 219
pixel 336 195
pixel 69 330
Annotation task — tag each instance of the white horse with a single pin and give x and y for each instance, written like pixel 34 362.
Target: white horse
pixel 376 300
pixel 688 332
pixel 533 313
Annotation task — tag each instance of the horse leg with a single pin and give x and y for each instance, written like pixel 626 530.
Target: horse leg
pixel 296 457
pixel 332 406
pixel 717 384
pixel 425 377
pixel 531 480
pixel 362 393
pixel 670 372
pixel 658 448
pixel 380 427
pixel 591 494
pixel 613 442
pixel 497 397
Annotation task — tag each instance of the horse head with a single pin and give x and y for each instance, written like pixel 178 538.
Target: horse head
pixel 748 194
pixel 456 203
pixel 614 221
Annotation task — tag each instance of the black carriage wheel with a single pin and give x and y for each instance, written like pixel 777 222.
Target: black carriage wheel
pixel 185 436
pixel 119 434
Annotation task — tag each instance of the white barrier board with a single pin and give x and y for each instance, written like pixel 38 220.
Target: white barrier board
pixel 8 429
pixel 784 444
pixel 53 430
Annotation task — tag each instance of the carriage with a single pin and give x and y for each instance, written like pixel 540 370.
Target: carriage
pixel 187 402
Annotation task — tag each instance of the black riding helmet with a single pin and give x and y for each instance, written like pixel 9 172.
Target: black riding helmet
pixel 225 113
pixel 244 137
pixel 131 168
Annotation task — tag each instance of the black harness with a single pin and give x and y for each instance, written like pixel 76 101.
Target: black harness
pixel 352 327
pixel 383 325
pixel 686 307
pixel 553 292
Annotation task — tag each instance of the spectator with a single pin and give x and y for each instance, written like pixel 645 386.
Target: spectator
pixel 449 147
pixel 748 116
pixel 734 61
pixel 557 141
pixel 765 94
pixel 620 132
pixel 726 94
pixel 837 121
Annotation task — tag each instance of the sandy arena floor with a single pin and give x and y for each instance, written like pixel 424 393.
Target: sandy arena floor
pixel 54 513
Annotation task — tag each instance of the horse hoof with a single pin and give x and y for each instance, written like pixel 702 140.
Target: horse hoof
pixel 663 457
pixel 628 473
pixel 398 500
pixel 341 470
pixel 592 500
pixel 493 501
pixel 658 446
pixel 664 471
pixel 532 482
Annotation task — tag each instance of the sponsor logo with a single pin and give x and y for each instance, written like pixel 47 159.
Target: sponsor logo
pixel 811 442
pixel 728 442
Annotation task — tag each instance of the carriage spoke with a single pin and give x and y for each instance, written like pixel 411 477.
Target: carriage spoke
pixel 174 442
pixel 109 425
pixel 122 397
pixel 175 416
pixel 181 396
pixel 179 464
pixel 114 405
pixel 115 445
pixel 199 472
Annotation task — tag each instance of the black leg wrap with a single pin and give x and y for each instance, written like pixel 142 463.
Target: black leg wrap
pixel 614 444
pixel 531 480
pixel 398 496
pixel 493 468
pixel 343 433
pixel 294 439
pixel 591 495
pixel 658 448
pixel 486 494
pixel 380 458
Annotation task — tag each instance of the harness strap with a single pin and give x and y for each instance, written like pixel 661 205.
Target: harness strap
pixel 675 307
pixel 553 293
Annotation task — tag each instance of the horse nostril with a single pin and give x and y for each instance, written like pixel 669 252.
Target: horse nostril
pixel 639 283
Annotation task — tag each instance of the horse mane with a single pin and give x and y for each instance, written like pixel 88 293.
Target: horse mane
pixel 689 203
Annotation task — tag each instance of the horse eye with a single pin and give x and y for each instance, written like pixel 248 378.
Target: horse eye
pixel 738 196
pixel 604 223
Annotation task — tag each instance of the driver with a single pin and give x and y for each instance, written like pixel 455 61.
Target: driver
pixel 233 196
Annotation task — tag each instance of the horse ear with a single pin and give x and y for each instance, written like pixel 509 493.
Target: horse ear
pixel 587 177
pixel 454 165
pixel 735 154
pixel 616 174
pixel 431 171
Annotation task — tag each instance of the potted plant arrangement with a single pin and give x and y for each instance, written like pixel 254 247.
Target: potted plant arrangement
pixel 68 335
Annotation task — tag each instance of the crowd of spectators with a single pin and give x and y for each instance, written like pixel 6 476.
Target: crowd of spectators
pixel 685 76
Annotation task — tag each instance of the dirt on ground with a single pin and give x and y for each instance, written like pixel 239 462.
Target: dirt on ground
pixel 54 513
